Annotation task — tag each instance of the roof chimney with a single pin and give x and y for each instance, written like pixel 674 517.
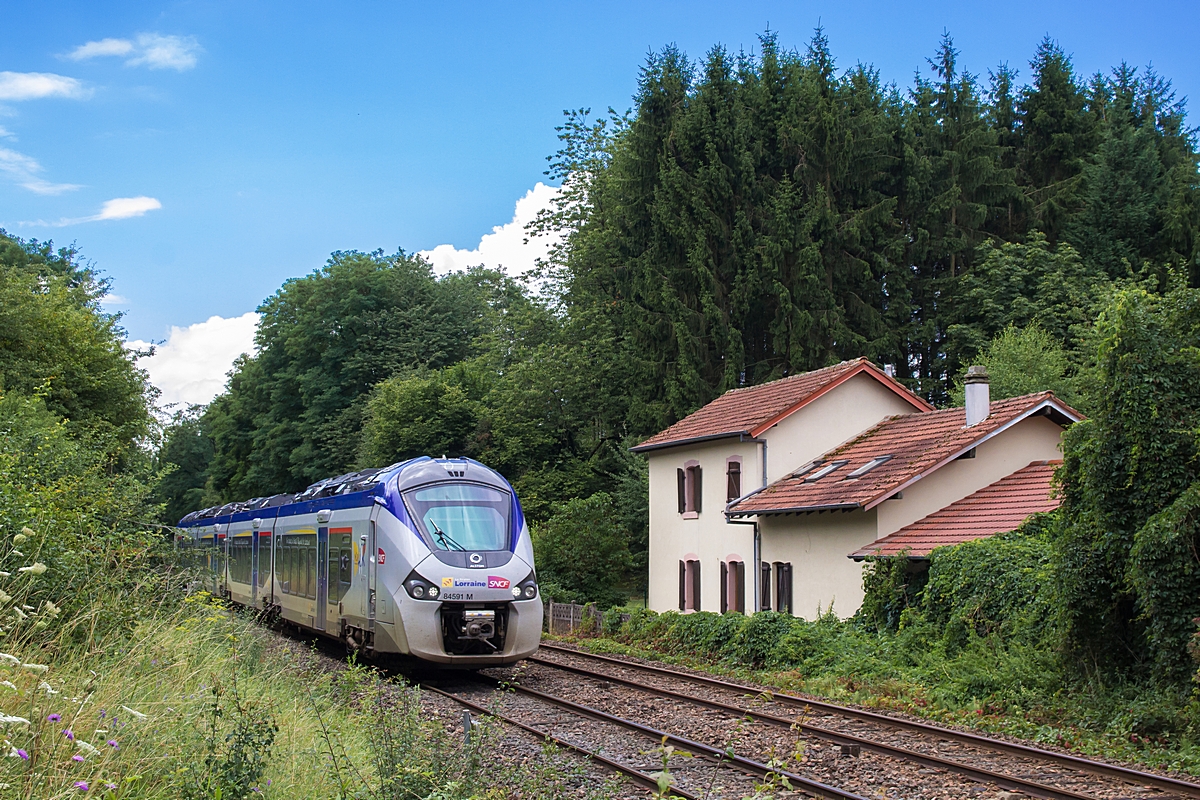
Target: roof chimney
pixel 978 395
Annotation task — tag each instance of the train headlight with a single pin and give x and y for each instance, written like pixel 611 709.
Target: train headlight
pixel 420 589
pixel 526 589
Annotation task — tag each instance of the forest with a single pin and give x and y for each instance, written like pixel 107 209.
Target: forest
pixel 752 216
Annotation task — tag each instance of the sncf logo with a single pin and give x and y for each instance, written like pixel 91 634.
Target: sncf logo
pixel 495 582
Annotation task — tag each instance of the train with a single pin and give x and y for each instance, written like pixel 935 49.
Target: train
pixel 428 559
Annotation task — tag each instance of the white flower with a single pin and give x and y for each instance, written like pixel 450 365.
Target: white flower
pixel 137 714
pixel 7 720
pixel 9 659
pixel 36 568
pixel 5 574
pixel 28 531
pixel 20 613
pixel 27 608
pixel 9 685
pixel 47 688
pixel 85 747
pixel 35 667
pixel 51 609
pixel 17 552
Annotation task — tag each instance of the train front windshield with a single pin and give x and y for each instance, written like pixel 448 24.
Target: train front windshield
pixel 461 516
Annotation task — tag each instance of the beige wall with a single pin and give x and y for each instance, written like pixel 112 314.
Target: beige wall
pixel 816 545
pixel 1031 439
pixel 833 418
pixel 709 536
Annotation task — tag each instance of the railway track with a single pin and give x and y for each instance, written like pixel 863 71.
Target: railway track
pixel 1024 757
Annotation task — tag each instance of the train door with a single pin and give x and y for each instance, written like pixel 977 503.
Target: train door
pixel 322 575
pixel 266 564
pixel 254 561
pixel 372 549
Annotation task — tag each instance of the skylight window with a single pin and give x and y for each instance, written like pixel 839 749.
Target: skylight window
pixel 807 468
pixel 867 467
pixel 823 471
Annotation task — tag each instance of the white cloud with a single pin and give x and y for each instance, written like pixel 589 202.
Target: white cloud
pixel 23 170
pixel 117 208
pixel 114 300
pixel 35 85
pixel 192 365
pixel 104 47
pixel 504 248
pixel 154 50
pixel 5 133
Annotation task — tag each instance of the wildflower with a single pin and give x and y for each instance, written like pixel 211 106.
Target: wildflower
pixel 4 597
pixel 20 613
pixel 110 786
pixel 45 687
pixel 51 609
pixel 113 744
pixel 17 552
pixel 77 757
pixel 15 752
pixel 27 608
pixel 7 720
pixel 53 718
pixel 9 659
pixel 35 667
pixel 87 748
pixel 20 538
pixel 5 574
pixel 36 568
pixel 137 714
pixel 69 734
pixel 9 685
pixel 81 786
pixel 28 531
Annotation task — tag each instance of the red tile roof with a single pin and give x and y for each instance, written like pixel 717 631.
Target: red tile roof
pixel 997 508
pixel 917 445
pixel 754 409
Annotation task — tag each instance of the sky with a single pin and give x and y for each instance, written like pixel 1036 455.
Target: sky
pixel 201 153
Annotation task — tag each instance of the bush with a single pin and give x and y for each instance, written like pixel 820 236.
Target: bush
pixel 582 551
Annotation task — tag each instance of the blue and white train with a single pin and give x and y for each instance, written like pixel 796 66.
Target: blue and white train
pixel 429 558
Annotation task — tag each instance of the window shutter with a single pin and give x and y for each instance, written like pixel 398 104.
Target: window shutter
pixel 724 587
pixel 764 586
pixel 739 596
pixel 682 585
pixel 697 492
pixel 681 476
pixel 733 483
pixel 696 585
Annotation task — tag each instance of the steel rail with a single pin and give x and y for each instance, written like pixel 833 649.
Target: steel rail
pixel 637 776
pixel 715 754
pixel 999 745
pixel 1001 779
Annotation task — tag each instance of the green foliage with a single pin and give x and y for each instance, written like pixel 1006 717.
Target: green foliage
pixel 1023 361
pixel 415 415
pixel 581 550
pixel 183 461
pixel 55 341
pixel 890 585
pixel 235 740
pixel 1133 460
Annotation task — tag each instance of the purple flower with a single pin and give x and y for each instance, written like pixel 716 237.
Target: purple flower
pixel 77 758
pixel 24 756
pixel 102 713
pixel 70 736
pixel 110 786
pixel 113 744
pixel 53 718
pixel 81 786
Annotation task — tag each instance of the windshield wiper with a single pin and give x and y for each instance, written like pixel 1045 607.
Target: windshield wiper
pixel 445 539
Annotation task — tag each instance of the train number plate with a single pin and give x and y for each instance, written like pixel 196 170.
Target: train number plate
pixel 458 596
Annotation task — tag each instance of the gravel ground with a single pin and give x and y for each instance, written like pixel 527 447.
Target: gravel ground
pixel 870 774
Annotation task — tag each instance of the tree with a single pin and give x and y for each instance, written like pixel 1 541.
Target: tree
pixel 1023 361
pixel 582 553
pixel 57 342
pixel 1126 557
pixel 183 463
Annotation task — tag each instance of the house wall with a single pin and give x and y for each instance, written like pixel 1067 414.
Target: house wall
pixel 816 545
pixel 709 536
pixel 1031 439
pixel 833 418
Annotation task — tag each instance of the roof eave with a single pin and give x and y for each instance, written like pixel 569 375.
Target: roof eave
pixel 767 512
pixel 711 437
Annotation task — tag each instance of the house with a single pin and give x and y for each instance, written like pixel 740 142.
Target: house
pixel 894 483
pixel 848 463
pixel 741 442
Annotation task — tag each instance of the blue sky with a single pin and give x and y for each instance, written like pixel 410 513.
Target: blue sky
pixel 245 141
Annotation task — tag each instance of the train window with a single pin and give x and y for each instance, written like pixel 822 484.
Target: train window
pixel 264 559
pixel 345 571
pixel 458 516
pixel 310 573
